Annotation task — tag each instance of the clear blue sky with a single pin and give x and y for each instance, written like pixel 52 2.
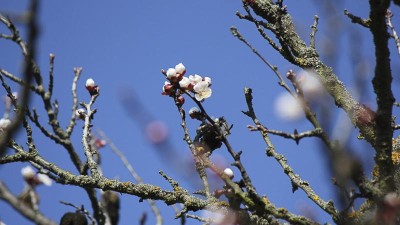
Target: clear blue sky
pixel 123 45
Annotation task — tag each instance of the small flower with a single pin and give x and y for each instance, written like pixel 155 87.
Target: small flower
pixel 180 68
pixel 202 90
pixel 229 173
pixel 194 113
pixel 287 107
pixel 185 83
pixel 4 123
pixel 92 87
pixel 80 113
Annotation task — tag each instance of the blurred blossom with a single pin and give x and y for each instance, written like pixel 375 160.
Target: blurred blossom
pixel 287 107
pixel 219 217
pixel 33 179
pixel 156 131
pixel 44 179
pixel 310 84
pixel 4 123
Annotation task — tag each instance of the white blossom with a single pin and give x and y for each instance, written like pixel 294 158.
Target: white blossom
pixel 202 90
pixel 180 68
pixel 287 107
pixel 4 123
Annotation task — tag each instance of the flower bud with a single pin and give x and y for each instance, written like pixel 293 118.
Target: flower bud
pixel 180 100
pixel 180 68
pixel 171 74
pixel 168 88
pixel 92 87
pixel 228 172
pixel 194 113
pixel 185 83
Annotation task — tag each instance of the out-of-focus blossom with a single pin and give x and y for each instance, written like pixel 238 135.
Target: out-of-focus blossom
pixel 27 172
pixel 310 84
pixel 156 132
pixel 44 179
pixel 202 90
pixel 180 68
pixel 100 143
pixel 288 108
pixel 4 123
pixel 33 179
pixel 220 217
pixel 228 171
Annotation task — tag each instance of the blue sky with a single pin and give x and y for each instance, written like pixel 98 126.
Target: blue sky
pixel 123 45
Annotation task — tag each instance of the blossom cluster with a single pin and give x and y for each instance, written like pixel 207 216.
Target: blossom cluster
pixel 177 81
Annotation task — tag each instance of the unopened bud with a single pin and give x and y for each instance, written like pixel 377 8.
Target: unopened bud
pixel 228 172
pixel 194 113
pixel 92 87
pixel 180 68
pixel 180 100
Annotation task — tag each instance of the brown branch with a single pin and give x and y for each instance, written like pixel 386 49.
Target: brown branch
pixel 355 19
pixel 382 82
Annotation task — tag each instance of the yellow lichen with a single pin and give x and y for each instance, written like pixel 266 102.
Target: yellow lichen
pixel 396 157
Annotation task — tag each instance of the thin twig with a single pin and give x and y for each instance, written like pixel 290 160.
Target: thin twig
pixel 313 32
pixel 355 19
pixel 295 178
pixel 389 16
pixel 282 82
pixel 135 175
pixel 72 121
